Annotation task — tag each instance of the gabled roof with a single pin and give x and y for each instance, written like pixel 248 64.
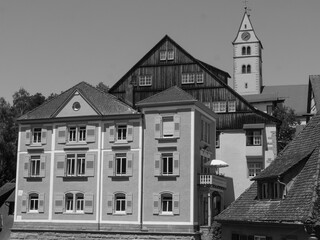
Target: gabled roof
pixel 7 187
pixel 171 95
pixel 103 103
pixel 258 98
pixel 212 71
pixel 149 53
pixel 295 96
pixel 300 203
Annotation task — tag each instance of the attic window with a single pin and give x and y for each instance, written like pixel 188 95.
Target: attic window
pixel 76 106
pixel 270 190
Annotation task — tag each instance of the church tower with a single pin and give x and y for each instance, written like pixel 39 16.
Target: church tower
pixel 247 59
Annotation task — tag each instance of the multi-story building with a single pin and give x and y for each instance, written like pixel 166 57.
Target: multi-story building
pixel 90 166
pixel 246 136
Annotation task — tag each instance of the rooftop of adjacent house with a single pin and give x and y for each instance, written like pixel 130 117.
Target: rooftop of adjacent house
pixel 315 85
pixel 259 98
pixel 7 187
pixel 301 201
pixel 171 95
pixel 295 96
pixel 103 103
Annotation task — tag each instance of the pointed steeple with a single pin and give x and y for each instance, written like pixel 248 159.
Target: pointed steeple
pixel 247 69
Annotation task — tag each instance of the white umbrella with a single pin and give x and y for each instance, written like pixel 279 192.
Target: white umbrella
pixel 216 163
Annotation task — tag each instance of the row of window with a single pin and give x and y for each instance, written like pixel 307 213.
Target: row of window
pixel 222 106
pixel 246 50
pixel 166 55
pixel 80 134
pixel 117 203
pixel 186 78
pixel 270 190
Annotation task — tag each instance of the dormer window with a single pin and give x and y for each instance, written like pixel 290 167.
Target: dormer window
pixel 270 190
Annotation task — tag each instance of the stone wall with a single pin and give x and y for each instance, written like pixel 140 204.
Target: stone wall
pixel 64 235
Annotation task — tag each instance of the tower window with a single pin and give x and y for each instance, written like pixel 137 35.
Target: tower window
pixel 243 50
pixel 246 85
pixel 245 26
pixel 244 69
pixel 248 68
pixel 248 50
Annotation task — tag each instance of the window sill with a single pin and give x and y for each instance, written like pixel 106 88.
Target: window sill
pixel 75 178
pixel 167 177
pixel 73 213
pixel 119 178
pixel 166 214
pixel 35 147
pixel 119 214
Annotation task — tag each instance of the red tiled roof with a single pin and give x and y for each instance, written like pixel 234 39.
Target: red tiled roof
pixel 103 103
pixel 300 203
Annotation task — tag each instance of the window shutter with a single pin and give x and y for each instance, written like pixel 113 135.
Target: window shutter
pixel 62 134
pixel 129 203
pixel 112 133
pixel 109 203
pixel 91 134
pixel 42 166
pixel 28 137
pixel 156 203
pixel 24 202
pixel 88 202
pixel 26 163
pixel 60 161
pixel 130 132
pixel 41 203
pixel 90 164
pixel 176 120
pixel 58 203
pixel 111 163
pixel 157 133
pixel 129 164
pixel 157 158
pixel 43 136
pixel 176 163
pixel 176 203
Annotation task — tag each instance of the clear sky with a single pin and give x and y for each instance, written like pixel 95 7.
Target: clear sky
pixel 48 46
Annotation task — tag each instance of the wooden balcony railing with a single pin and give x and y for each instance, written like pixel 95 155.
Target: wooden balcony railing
pixel 214 180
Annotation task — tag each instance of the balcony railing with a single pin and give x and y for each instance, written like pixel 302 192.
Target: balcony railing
pixel 214 180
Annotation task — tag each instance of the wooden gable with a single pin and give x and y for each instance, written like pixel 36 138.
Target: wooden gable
pixel 155 73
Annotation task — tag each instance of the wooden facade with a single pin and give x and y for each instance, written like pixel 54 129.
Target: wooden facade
pixel 164 73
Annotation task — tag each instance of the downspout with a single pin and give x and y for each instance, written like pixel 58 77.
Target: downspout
pixel 142 168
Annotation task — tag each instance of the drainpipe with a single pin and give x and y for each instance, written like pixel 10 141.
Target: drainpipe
pixel 142 168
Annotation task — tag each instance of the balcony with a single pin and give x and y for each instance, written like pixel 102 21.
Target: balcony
pixel 213 180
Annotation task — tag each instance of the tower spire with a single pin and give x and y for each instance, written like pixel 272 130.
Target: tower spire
pixel 246 8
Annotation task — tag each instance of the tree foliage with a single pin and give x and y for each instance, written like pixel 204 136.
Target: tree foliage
pixel 102 87
pixel 287 128
pixel 22 103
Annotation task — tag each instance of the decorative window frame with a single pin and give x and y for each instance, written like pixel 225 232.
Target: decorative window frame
pixel 159 131
pixel 111 200
pixel 41 136
pixel 159 164
pixel 25 203
pixel 111 164
pixel 158 204
pixel 27 171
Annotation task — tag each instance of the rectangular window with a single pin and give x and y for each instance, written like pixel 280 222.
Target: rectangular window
pixel 163 55
pixel 166 204
pixel 219 107
pixel 71 165
pixel 79 203
pixel 121 164
pixel 167 127
pixel 217 139
pixel 36 135
pixel 33 203
pixel 205 131
pixel 122 132
pixel 167 164
pixel 254 169
pixel 120 203
pixel 72 134
pixel 253 137
pixel 231 106
pixel 145 80
pixel 81 164
pixel 69 202
pixel 187 78
pixel 170 54
pixel 199 77
pixel 264 191
pixel 35 166
pixel 82 133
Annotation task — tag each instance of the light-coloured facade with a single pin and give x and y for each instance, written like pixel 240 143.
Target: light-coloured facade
pixel 83 170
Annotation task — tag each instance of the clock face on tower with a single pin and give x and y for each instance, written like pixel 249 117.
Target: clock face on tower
pixel 245 36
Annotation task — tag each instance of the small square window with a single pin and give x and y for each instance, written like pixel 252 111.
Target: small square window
pixel 231 106
pixel 145 80
pixel 199 77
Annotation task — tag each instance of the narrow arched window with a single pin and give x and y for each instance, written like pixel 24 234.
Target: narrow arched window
pixel 166 203
pixel 248 68
pixel 120 203
pixel 243 50
pixel 244 69
pixel 248 50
